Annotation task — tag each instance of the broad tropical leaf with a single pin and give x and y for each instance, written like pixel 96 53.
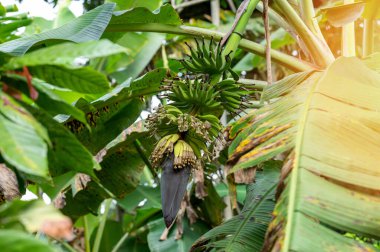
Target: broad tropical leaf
pixel 166 14
pixel 66 152
pixel 16 241
pixel 89 26
pixel 246 231
pixel 32 215
pixel 84 80
pixel 112 113
pixel 24 141
pixel 171 245
pixel 331 122
pixel 66 54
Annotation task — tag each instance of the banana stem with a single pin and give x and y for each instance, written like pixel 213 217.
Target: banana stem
pixel 283 59
pixel 103 219
pixel 318 48
pixel 348 37
pixel 308 16
pixel 368 39
pixel 247 7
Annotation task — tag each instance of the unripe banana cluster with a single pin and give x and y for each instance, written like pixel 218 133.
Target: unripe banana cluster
pixel 232 95
pixel 194 96
pixel 207 59
pixel 193 133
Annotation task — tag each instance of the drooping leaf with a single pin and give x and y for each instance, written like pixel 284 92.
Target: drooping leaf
pixel 110 114
pixel 331 122
pixel 24 140
pixel 16 241
pixel 246 231
pixel 66 54
pixel 191 233
pixel 89 26
pixel 341 15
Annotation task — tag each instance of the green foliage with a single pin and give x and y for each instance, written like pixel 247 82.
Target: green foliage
pixel 246 231
pixel 192 233
pixel 15 241
pixel 89 26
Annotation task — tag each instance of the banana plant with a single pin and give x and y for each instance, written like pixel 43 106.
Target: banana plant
pixel 325 121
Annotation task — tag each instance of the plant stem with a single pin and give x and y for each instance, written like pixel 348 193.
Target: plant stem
pixel 308 15
pixel 277 18
pixel 120 242
pixel 86 234
pixel 238 31
pixel 318 49
pixel 268 41
pixel 99 233
pixel 283 59
pixel 368 39
pixel 215 9
pixel 348 37
pixel 259 85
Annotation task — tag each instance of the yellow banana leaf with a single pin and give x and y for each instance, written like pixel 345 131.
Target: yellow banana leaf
pixel 330 123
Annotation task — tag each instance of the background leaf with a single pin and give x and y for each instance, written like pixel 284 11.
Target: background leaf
pixel 89 26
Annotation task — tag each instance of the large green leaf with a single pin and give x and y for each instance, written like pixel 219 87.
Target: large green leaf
pixel 129 4
pixel 24 140
pixel 149 195
pixel 66 54
pixel 66 152
pixel 191 233
pixel 211 207
pixel 112 232
pixel 85 80
pixel 46 99
pixel 246 231
pixel 32 215
pixel 110 114
pixel 331 123
pixel 89 26
pixel 144 46
pixel 122 165
pixel 17 241
pixel 164 15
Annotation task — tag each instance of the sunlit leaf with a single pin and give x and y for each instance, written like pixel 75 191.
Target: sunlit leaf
pixel 89 26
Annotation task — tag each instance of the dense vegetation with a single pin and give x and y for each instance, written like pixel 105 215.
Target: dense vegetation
pixel 154 127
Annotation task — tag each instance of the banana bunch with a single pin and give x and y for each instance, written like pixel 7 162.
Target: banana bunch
pixel 194 96
pixel 163 148
pixel 183 155
pixel 208 59
pixel 232 95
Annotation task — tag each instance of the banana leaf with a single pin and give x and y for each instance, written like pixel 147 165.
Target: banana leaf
pixel 330 123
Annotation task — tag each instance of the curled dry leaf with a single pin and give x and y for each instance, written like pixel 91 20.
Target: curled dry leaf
pixel 245 176
pixel 200 189
pixel 8 184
